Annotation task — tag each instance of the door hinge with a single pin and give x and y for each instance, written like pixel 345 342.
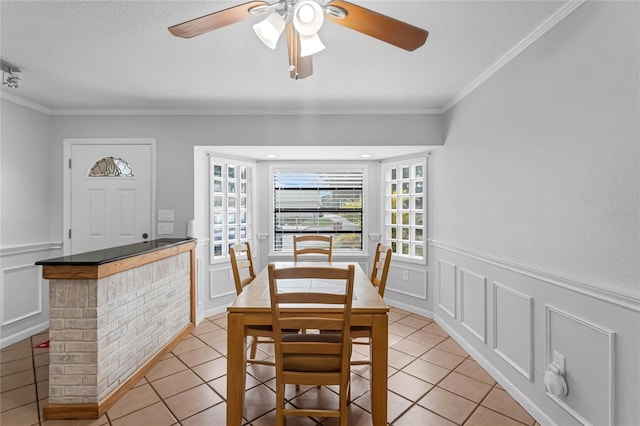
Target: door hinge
pixel 69 233
pixel 69 162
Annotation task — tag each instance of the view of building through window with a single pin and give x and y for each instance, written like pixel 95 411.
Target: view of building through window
pixel 327 202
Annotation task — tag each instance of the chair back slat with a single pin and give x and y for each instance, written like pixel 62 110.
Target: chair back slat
pixel 312 244
pixel 380 270
pixel 242 265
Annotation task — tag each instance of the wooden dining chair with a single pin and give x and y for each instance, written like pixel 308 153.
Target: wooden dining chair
pixel 243 275
pixel 378 277
pixel 312 359
pixel 312 244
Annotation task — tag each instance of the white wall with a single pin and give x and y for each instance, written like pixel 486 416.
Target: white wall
pixel 176 137
pixel 26 222
pixel 535 218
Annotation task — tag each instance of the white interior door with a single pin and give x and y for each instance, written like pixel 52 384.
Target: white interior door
pixel 110 196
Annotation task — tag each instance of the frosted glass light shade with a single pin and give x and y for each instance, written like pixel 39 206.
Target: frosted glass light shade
pixel 310 44
pixel 270 29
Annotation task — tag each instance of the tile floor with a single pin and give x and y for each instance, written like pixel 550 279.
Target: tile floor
pixel 432 381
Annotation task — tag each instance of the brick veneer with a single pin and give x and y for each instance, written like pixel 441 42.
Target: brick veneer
pixel 104 330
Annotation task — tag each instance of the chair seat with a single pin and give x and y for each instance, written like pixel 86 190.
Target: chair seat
pixel 312 362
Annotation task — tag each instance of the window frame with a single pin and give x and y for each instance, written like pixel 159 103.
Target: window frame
pixel 386 210
pixel 250 207
pixel 320 166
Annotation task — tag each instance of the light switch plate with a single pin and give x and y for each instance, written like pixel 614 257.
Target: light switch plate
pixel 165 228
pixel 165 214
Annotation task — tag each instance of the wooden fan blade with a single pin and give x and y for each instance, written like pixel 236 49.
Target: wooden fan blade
pixel 299 66
pixel 215 20
pixel 379 26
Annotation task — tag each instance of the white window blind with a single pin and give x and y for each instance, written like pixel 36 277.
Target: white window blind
pixel 326 202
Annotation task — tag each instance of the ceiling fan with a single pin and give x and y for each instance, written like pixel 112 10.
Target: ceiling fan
pixel 302 19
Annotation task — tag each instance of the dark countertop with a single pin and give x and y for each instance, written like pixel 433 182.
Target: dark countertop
pixel 100 257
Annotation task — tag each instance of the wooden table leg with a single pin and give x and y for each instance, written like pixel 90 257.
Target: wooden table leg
pixel 236 368
pixel 379 361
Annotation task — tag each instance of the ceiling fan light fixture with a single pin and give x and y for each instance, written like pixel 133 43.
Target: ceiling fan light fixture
pixel 269 30
pixel 310 45
pixel 336 11
pixel 307 17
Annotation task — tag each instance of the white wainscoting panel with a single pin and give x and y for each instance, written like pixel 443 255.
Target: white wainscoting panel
pixel 473 303
pixel 21 293
pixel 416 284
pixel 447 287
pixel 221 282
pixel 591 377
pixel 513 328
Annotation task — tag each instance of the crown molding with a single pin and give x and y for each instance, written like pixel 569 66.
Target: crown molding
pixel 25 103
pixel 538 32
pixel 244 111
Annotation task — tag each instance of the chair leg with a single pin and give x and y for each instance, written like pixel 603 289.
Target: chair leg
pixel 279 403
pixel 254 347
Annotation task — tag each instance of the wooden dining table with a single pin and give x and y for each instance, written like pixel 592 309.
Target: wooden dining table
pixel 253 307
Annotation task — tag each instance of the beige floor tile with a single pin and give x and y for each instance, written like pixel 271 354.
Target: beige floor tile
pixel 434 328
pixel 269 419
pixel 500 401
pixel 472 369
pixel 448 405
pixel 399 360
pixel 442 358
pixel 25 415
pixel 426 371
pixel 220 384
pixel 188 345
pixel 17 397
pixel 88 422
pixel 450 345
pixel 355 415
pixel 191 402
pixel 426 338
pixel 205 327
pixel 400 329
pixel 415 321
pixel 199 356
pixel 396 405
pixel 424 355
pixel 216 415
pixel 485 417
pixel 134 400
pixel 408 386
pixel 465 386
pixel 164 368
pixel 212 369
pixel 156 415
pixel 321 398
pixel 419 416
pixel 411 347
pixel 176 383
pixel 215 336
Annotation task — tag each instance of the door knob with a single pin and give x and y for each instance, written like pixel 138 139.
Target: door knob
pixel 145 235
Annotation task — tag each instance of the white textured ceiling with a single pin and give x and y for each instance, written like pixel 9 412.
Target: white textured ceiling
pixel 118 55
